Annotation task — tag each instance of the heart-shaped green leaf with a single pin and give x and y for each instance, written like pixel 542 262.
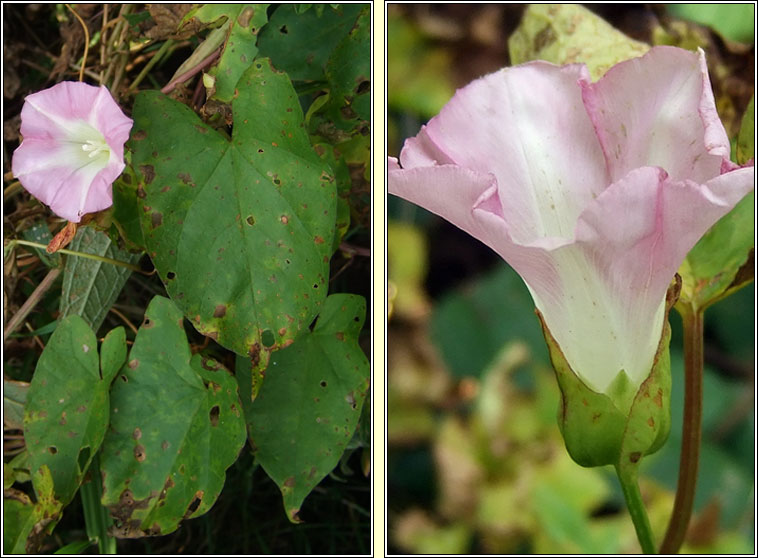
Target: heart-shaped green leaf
pixel 66 412
pixel 308 408
pixel 240 231
pixel 176 425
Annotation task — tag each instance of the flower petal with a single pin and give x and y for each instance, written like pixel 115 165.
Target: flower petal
pixel 658 110
pixel 527 125
pixel 46 170
pixel 447 190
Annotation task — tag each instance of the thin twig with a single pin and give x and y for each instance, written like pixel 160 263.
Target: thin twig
pixel 31 302
pixel 124 319
pixel 86 41
pixel 36 337
pixel 103 42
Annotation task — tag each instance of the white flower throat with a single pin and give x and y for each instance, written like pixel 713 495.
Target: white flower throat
pixel 95 147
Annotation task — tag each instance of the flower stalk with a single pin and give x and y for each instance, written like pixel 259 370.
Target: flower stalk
pixel 630 488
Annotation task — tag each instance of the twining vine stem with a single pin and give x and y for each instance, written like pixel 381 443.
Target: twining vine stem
pixel 692 322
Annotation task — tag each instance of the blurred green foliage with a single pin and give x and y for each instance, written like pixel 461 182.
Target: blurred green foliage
pixel 420 79
pixel 732 21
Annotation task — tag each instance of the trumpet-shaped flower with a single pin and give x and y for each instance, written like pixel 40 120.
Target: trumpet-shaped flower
pixel 593 192
pixel 72 148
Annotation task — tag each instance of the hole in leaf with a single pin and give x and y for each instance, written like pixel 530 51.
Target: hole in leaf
pixel 194 504
pixel 322 383
pixel 124 378
pixel 283 30
pixel 363 87
pixel 267 338
pixel 170 275
pixel 53 450
pixel 214 415
pixel 250 220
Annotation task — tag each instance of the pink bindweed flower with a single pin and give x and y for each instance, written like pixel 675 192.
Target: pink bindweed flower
pixel 72 148
pixel 593 192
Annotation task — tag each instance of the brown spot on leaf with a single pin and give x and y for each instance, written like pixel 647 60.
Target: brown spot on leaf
pixel 220 311
pixel 139 453
pixel 185 177
pixel 340 336
pixel 634 457
pixel 81 408
pixel 139 135
pixel 165 445
pixel 214 415
pixel 133 363
pixel 651 422
pixel 157 219
pixel 284 219
pixel 137 434
pixel 148 171
pixel 210 364
pixel 63 418
pixel 318 240
pixel 245 16
pixel 255 354
pixel 289 482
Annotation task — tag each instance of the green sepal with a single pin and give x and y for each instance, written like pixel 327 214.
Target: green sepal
pixel 623 425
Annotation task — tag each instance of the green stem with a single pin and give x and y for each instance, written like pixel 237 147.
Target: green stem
pixel 692 322
pixel 149 66
pixel 96 516
pixel 636 506
pixel 72 253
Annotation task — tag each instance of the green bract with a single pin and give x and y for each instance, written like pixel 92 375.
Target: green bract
pixel 624 425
